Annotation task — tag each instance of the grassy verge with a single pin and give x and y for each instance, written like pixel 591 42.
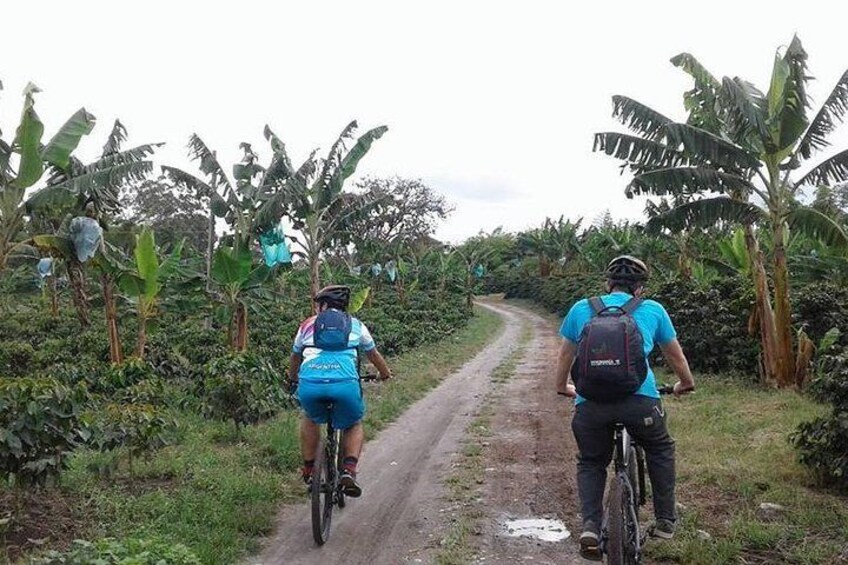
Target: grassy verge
pixel 464 483
pixel 217 493
pixel 733 455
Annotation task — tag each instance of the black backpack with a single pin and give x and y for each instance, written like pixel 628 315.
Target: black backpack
pixel 332 330
pixel 610 363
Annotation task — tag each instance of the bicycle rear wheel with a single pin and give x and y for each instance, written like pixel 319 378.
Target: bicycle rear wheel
pixel 622 530
pixel 324 479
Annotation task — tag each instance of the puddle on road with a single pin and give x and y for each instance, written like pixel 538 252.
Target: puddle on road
pixel 539 528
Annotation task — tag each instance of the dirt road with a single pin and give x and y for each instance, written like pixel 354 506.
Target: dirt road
pixel 401 516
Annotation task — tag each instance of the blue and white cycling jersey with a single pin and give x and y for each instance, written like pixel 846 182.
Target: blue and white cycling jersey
pixel 320 366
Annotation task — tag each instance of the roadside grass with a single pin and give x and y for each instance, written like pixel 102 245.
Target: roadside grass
pixel 463 484
pixel 732 456
pixel 217 493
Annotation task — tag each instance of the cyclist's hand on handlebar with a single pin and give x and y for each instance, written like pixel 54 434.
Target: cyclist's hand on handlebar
pixel 569 391
pixel 386 376
pixel 680 388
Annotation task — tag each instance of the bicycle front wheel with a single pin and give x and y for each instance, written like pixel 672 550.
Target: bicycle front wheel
pixel 622 530
pixel 323 491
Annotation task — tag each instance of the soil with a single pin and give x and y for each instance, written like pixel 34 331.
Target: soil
pixel 403 514
pixel 47 518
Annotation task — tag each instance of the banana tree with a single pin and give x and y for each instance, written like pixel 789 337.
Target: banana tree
pixel 78 198
pixel 742 146
pixel 234 274
pixel 33 156
pixel 143 283
pixel 313 198
pixel 237 200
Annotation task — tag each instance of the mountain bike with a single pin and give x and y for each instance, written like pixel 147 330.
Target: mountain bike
pixel 621 536
pixel 326 489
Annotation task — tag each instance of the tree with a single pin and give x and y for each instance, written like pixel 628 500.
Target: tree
pixel 144 283
pixel 32 159
pixel 313 196
pixel 742 145
pixel 171 210
pixel 405 212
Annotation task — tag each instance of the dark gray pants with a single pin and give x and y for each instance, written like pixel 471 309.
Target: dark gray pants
pixel 593 425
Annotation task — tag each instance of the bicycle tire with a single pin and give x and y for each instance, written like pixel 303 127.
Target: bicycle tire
pixel 323 490
pixel 620 548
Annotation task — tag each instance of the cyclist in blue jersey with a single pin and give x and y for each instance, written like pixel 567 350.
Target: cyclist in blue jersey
pixel 641 411
pixel 331 375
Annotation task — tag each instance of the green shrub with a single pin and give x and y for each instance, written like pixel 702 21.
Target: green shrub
pixel 818 307
pixel 116 377
pixel 243 388
pixel 823 443
pixel 39 427
pixel 16 357
pixel 140 428
pixel 124 552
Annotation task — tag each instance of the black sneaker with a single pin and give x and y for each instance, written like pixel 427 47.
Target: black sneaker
pixel 663 529
pixel 349 485
pixel 589 543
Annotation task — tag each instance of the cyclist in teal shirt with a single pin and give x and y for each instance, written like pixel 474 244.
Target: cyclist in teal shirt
pixel 641 413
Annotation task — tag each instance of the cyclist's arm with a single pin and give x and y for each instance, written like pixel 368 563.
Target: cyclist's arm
pixel 377 360
pixel 294 366
pixel 675 358
pixel 564 362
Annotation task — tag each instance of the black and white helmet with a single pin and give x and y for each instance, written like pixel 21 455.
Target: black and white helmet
pixel 627 268
pixel 336 296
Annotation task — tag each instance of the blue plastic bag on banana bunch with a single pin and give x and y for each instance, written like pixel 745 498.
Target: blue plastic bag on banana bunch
pixel 391 270
pixel 274 247
pixel 376 269
pixel 86 234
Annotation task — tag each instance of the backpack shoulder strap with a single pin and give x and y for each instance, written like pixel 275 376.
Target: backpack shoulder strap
pixel 597 304
pixel 631 305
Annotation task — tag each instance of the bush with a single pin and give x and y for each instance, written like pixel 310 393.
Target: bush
pixel 140 428
pixel 817 307
pixel 243 388
pixel 823 443
pixel 16 358
pixel 116 377
pixel 39 427
pixel 124 552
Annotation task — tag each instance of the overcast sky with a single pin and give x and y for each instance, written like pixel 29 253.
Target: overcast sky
pixel 492 103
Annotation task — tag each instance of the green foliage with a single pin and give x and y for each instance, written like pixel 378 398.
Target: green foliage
pixel 131 551
pixel 116 377
pixel 822 443
pixel 141 428
pixel 39 427
pixel 15 357
pixel 243 388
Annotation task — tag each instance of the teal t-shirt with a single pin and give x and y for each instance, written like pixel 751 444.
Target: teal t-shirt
pixel 651 319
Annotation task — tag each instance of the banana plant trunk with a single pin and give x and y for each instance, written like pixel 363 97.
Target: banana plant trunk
pixel 782 310
pixel 764 312
pixel 315 279
pixel 141 340
pixel 240 323
pixel 116 355
pixel 54 296
pixel 210 244
pixel 76 277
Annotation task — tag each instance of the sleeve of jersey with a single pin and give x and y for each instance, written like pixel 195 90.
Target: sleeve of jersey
pixel 569 328
pixel 665 330
pixel 366 342
pixel 297 346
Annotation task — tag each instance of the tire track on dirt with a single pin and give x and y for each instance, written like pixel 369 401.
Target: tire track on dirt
pixel 401 474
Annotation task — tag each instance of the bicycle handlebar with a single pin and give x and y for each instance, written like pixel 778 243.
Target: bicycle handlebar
pixel 669 389
pixel 370 377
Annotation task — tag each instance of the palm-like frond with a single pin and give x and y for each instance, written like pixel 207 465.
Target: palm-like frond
pixel 351 160
pixel 686 180
pixel 745 112
pixel 58 150
pixel 219 205
pixel 638 117
pixel 116 138
pixel 829 116
pixel 829 172
pixel 816 225
pixel 209 164
pixel 638 151
pixel 788 100
pixel 701 146
pixel 701 101
pixel 706 213
pixel 102 185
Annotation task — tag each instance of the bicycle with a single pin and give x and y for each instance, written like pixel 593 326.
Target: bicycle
pixel 326 490
pixel 621 537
